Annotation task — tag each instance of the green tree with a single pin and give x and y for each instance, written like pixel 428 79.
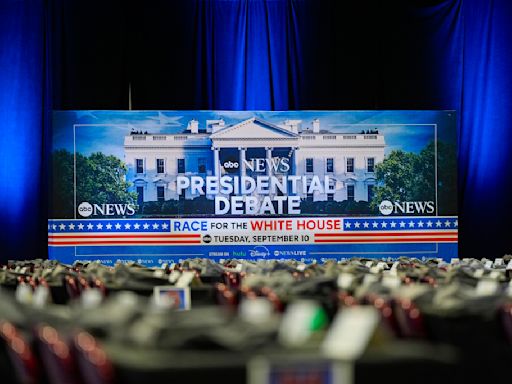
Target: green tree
pixel 61 203
pixel 423 187
pixel 405 176
pixel 99 179
pixel 395 177
pixel 447 178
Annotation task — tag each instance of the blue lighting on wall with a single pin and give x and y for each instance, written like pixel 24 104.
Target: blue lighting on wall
pixel 485 134
pixel 21 121
pixel 254 55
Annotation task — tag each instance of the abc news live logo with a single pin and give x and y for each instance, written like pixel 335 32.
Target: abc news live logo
pixel 86 209
pixel 386 207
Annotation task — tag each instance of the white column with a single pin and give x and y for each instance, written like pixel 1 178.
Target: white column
pixel 241 160
pixel 295 169
pixel 269 160
pixel 216 162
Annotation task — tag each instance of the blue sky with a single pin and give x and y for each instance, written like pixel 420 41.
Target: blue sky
pixel 105 130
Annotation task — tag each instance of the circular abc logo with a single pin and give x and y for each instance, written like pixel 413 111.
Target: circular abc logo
pixel 386 207
pixel 231 165
pixel 207 239
pixel 85 209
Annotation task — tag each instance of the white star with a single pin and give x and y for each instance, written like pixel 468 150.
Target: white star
pixel 393 224
pixel 456 223
pixel 420 224
pixel 429 224
pixel 99 226
pixel 127 225
pixel 402 224
pixel 80 226
pixel 118 226
pixel 62 227
pixel 89 226
pixel 136 225
pixel 145 226
pixel 108 226
pixel 155 226
pixel 167 120
pixel 357 225
pixel 164 226
pixel 411 224
pixel 347 224
pixel 71 226
pixel 384 224
pixel 54 227
pixel 447 223
pixel 48 226
pixel 438 223
pixel 375 224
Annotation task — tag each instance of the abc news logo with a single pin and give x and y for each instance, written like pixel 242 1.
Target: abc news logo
pixel 86 209
pixel 276 164
pixel 386 207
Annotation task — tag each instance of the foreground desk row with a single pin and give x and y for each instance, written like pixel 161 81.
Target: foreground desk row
pixel 355 321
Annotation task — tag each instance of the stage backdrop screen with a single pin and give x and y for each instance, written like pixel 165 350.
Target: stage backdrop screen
pixel 159 186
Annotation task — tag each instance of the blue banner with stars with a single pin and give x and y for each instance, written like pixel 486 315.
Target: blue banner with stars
pixel 401 223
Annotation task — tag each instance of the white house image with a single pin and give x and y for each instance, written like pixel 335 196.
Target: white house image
pixel 249 148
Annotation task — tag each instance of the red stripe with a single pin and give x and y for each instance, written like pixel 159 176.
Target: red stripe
pixel 121 242
pixel 408 240
pixel 348 234
pixel 107 236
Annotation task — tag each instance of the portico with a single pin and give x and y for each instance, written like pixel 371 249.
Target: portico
pixel 252 139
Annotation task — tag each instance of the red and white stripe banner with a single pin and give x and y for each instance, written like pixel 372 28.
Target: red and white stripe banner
pixel 76 239
pixel 388 237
